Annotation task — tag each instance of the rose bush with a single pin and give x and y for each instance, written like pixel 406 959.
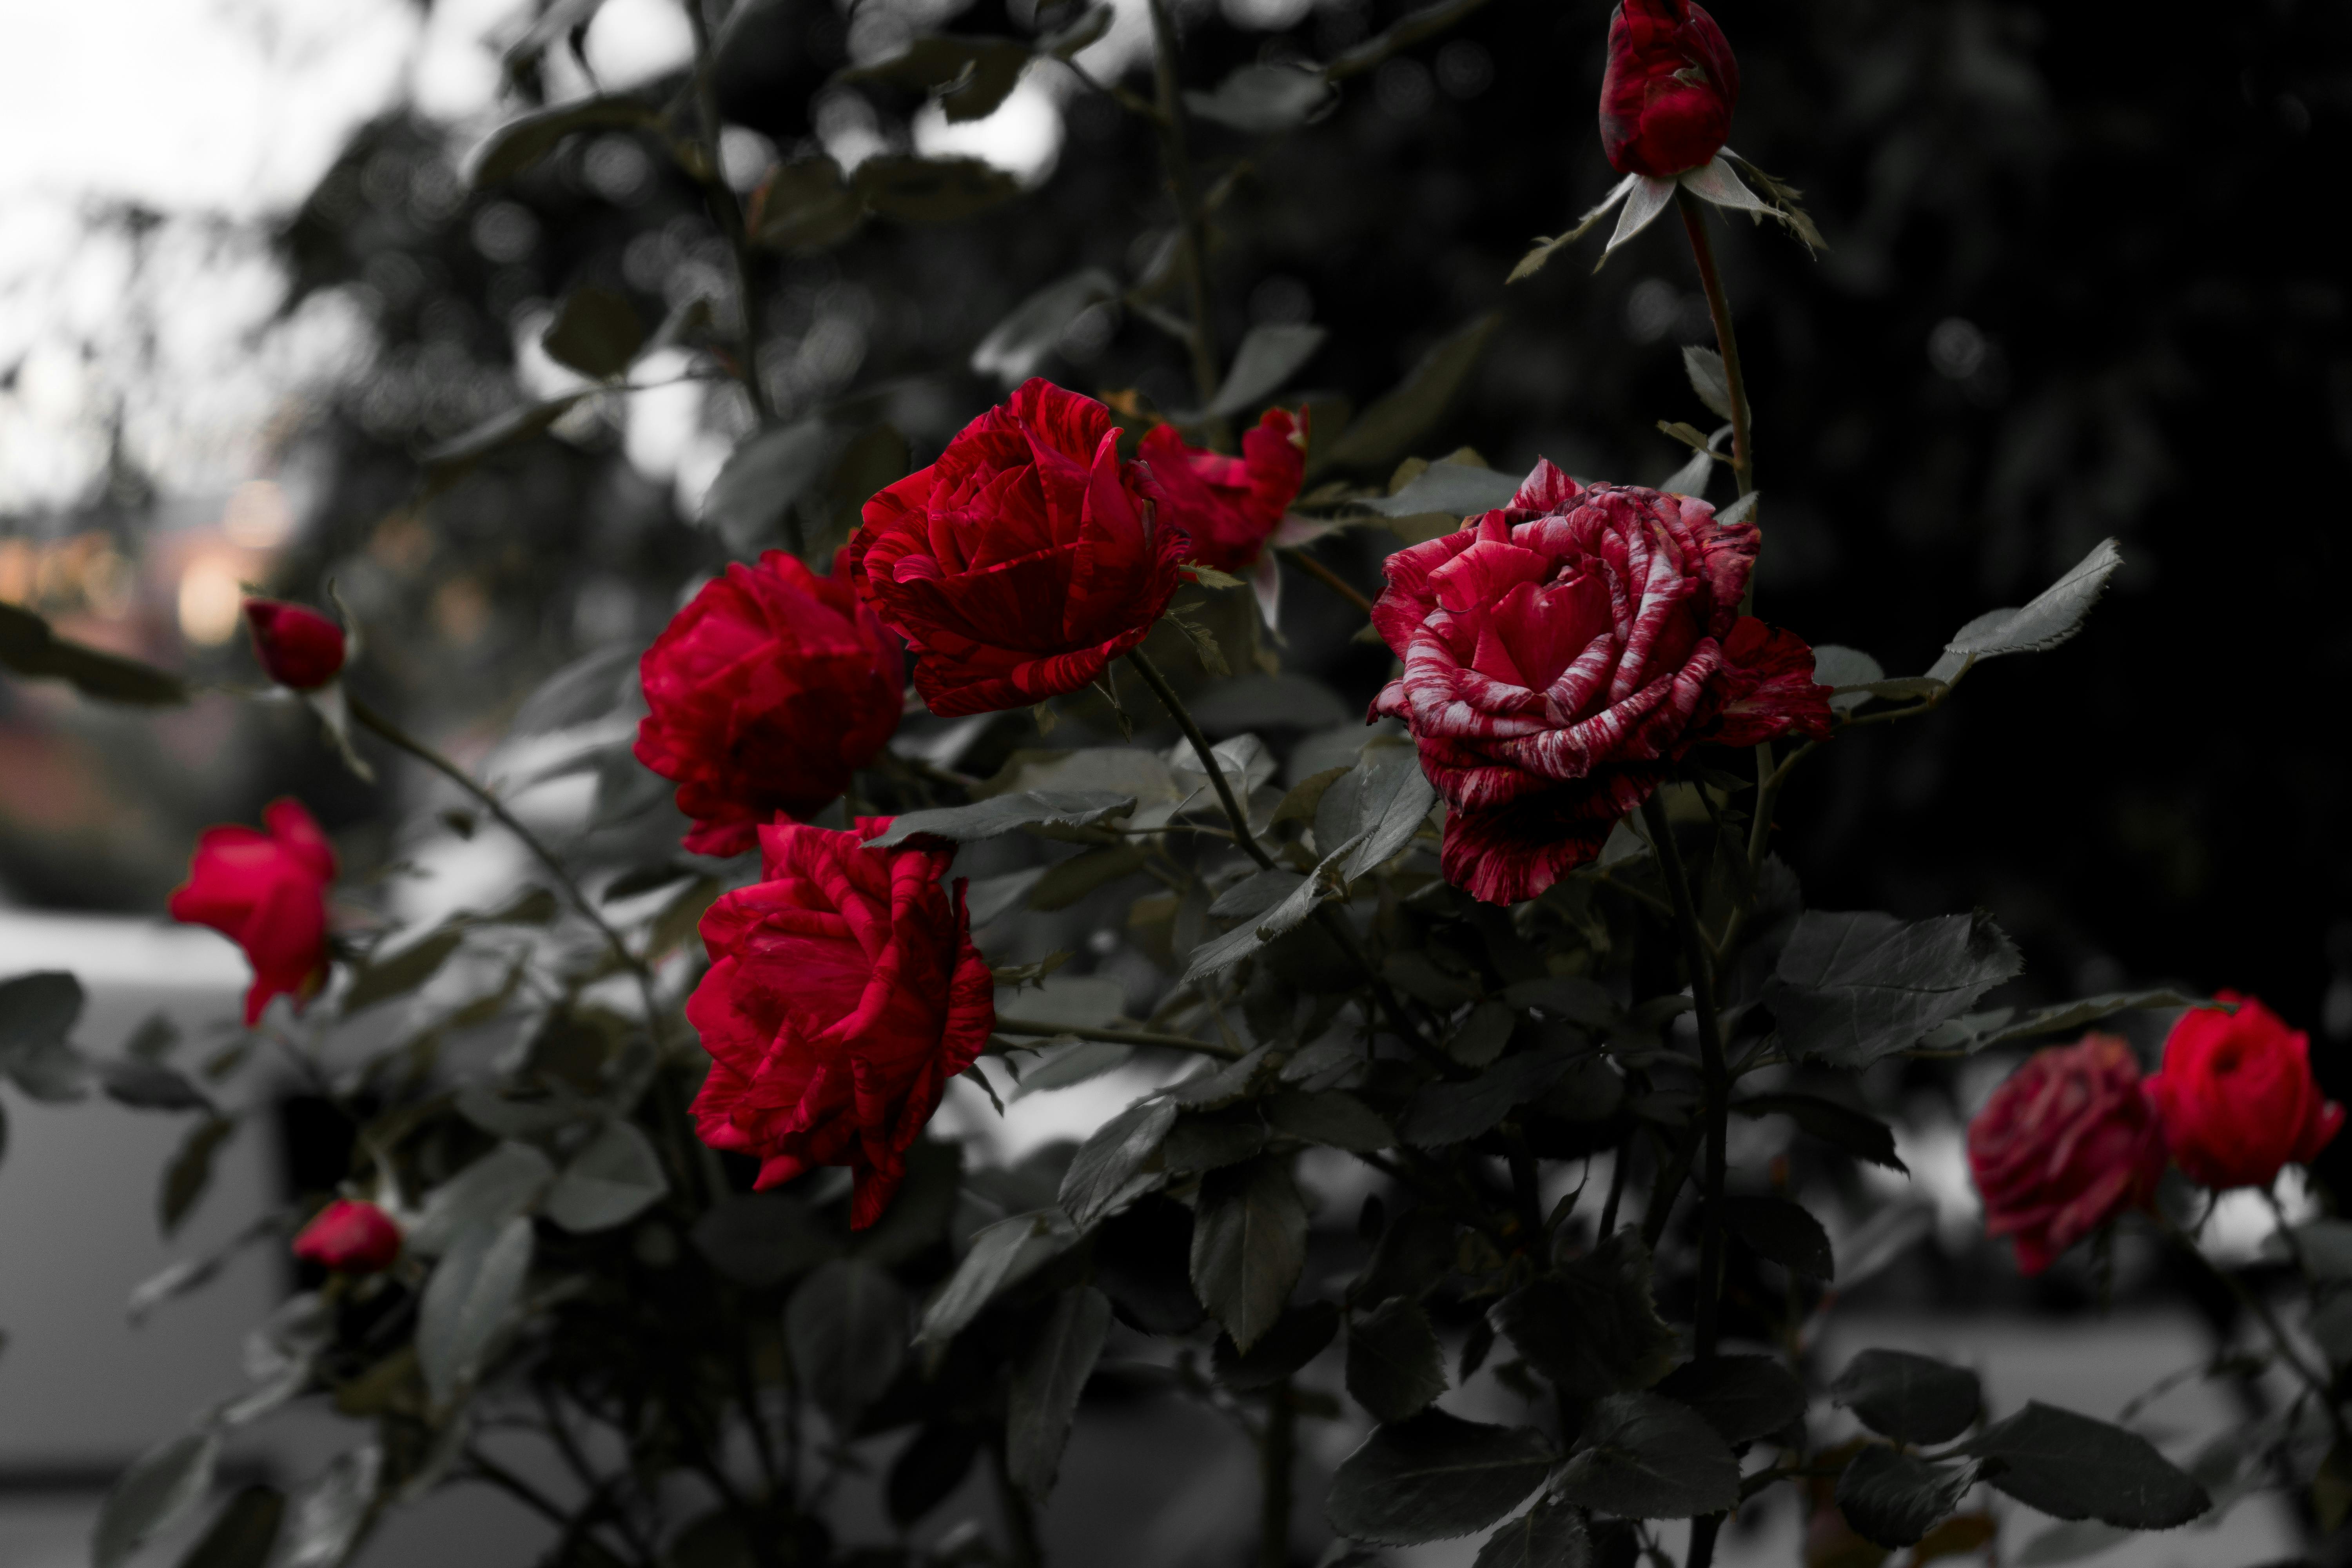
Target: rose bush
pixel 1024 560
pixel 265 891
pixel 1671 86
pixel 2236 1098
pixel 764 695
pixel 2065 1144
pixel 1562 653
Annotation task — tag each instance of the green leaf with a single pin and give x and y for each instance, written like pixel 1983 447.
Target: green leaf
pixel 1976 1032
pixel 38 1009
pixel 1211 1142
pixel 1647 1457
pixel 846 1328
pixel 1268 357
pixel 1284 700
pixel 1743 1397
pixel 763 477
pixel 1331 1116
pixel 1850 989
pixel 1548 1535
pixel 324 1520
pixel 2055 614
pixel 1892 1499
pixel 931 190
pixel 1080 1061
pixel 159 1490
pixel 1395 1365
pixel 589 688
pixel 243 1532
pixel 970 75
pixel 1402 34
pixel 383 978
pixel 1413 1253
pixel 1846 668
pixel 595 331
pixel 2326 1248
pixel 804 207
pixel 443 465
pixel 1043 1394
pixel 616 1177
pixel 1383 433
pixel 918 1214
pixel 1445 1113
pixel 1000 1257
pixel 484 1194
pixel 29 648
pixel 151 1086
pixel 519 143
pixel 1297 1337
pixel 1705 368
pixel 1434 1478
pixel 1260 99
pixel 1591 1327
pixel 1783 1231
pixel 1448 493
pixel 467 1301
pixel 1001 814
pixel 1249 1243
pixel 1913 1399
pixel 2072 1467
pixel 762 1240
pixel 1019 344
pixel 191 1170
pixel 1067 882
pixel 1857 1132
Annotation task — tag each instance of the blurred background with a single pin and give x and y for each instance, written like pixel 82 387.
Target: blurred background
pixel 2078 283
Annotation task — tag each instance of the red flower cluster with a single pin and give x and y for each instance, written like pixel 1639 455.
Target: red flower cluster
pixel 1229 507
pixel 1562 653
pixel 2236 1098
pixel 2062 1147
pixel 844 992
pixel 1024 560
pixel 350 1237
pixel 1667 96
pixel 267 893
pixel 765 694
pixel 298 648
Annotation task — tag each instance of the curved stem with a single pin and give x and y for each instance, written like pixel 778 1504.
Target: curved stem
pixel 1325 575
pixel 1201 748
pixel 1029 1028
pixel 1715 1081
pixel 1718 307
pixel 1192 220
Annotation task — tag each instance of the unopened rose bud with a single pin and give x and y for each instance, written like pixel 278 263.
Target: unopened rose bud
pixel 1667 97
pixel 350 1237
pixel 300 649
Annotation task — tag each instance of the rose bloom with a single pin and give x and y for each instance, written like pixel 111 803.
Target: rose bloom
pixel 298 648
pixel 1667 96
pixel 765 694
pixel 844 992
pixel 1024 560
pixel 1562 653
pixel 2067 1143
pixel 267 893
pixel 1230 506
pixel 2236 1098
pixel 350 1237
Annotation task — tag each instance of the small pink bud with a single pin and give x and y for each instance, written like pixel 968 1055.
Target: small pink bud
pixel 350 1237
pixel 300 649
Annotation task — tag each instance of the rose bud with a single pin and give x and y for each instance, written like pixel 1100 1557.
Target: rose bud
pixel 1230 506
pixel 350 1237
pixel 2067 1143
pixel 844 991
pixel 2236 1098
pixel 765 694
pixel 267 893
pixel 1562 653
pixel 1667 96
pixel 298 648
pixel 1024 560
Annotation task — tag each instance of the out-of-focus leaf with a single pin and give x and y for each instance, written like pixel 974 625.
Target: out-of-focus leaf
pixel 871 460
pixel 1082 1061
pixel 762 1238
pixel 37 1012
pixel 29 648
pixel 1590 1326
pixel 1962 1535
pixel 446 463
pixel 2055 614
pixel 1894 1499
pixel 500 1185
pixel 1066 883
pixel 1857 1132
pixel 1882 1239
pixel 1261 701
pixel 472 1289
pixel 588 688
pixel 191 1170
pixel 1783 1231
pixel 928 1469
pixel 612 1179
pixel 2073 1467
pixel 1043 1394
pixel 969 75
pixel 325 1522
pixel 1395 1365
pixel 1743 1397
pixel 518 144
pixel 764 475
pixel 803 206
pixel 2068 1543
pixel 1402 34
pixel 1019 344
pixel 919 1215
pixel 1449 492
pixel 1001 1257
pixel 931 190
pixel 1414 1252
pixel 1548 1535
pixel 595 331
pixel 1913 1399
pixel 1259 99
pixel 1437 1477
pixel 149 1086
pixel 1974 1032
pixel 243 1534
pixel 158 1489
pixel 1382 433
pixel 1645 1457
pixel 1249 1243
pixel 397 974
pixel 846 1326
pixel 1332 1117
pixel 1268 357
pixel 1850 988
pixel 1002 814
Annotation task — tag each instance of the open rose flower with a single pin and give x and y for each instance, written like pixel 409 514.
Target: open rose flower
pixel 844 992
pixel 266 892
pixel 1230 507
pixel 299 647
pixel 2237 1096
pixel 2066 1145
pixel 764 695
pixel 1562 653
pixel 350 1237
pixel 1667 96
pixel 1024 560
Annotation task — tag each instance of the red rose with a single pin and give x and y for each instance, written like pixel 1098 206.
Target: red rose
pixel 2068 1142
pixel 2236 1098
pixel 1024 560
pixel 765 693
pixel 1667 97
pixel 300 649
pixel 1562 653
pixel 1229 506
pixel 267 893
pixel 350 1237
pixel 844 992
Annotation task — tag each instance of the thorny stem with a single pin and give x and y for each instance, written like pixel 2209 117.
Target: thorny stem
pixel 1193 222
pixel 1120 1036
pixel 1715 1078
pixel 1325 575
pixel 1743 455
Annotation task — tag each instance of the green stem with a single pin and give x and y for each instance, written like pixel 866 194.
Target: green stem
pixel 1118 1036
pixel 1743 454
pixel 1192 222
pixel 1715 1081
pixel 1325 575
